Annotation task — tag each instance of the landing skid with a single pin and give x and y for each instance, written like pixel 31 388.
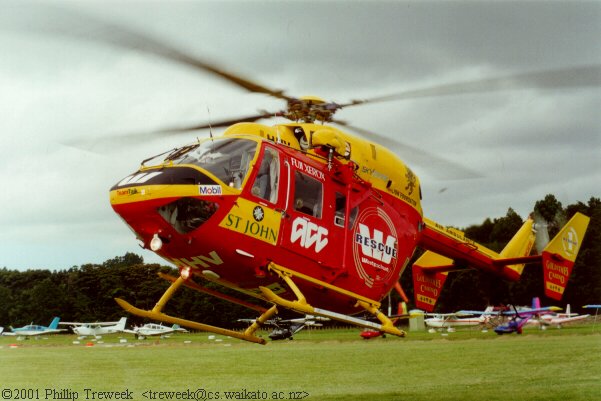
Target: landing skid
pixel 300 304
pixel 156 314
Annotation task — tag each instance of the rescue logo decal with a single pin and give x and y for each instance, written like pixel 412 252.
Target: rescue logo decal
pixel 375 246
pixel 309 234
pixel 253 220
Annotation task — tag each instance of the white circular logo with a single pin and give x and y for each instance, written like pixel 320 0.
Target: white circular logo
pixel 570 242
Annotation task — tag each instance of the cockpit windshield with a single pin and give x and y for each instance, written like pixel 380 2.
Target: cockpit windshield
pixel 226 158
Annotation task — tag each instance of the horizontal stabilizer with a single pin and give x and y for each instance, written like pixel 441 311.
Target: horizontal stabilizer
pixel 429 278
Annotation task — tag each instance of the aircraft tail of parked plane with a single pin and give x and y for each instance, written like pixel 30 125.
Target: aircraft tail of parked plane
pixel 54 324
pixel 449 250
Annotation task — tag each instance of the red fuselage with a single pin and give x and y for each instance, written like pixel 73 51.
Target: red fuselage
pixel 227 209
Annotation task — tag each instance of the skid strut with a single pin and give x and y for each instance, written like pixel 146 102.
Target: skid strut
pixel 157 314
pixel 301 305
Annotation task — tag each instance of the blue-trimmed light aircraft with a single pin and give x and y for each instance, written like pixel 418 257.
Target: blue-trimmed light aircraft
pixel 32 330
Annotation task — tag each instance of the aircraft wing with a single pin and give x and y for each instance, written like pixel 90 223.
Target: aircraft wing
pixel 562 320
pixel 530 312
pixel 479 312
pixel 95 324
pixel 450 315
pixel 53 331
pixel 34 334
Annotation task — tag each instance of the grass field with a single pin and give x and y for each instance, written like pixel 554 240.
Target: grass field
pixel 318 365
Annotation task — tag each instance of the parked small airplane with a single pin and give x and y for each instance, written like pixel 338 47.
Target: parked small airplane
pixel 35 330
pixel 519 316
pixel 1 329
pixel 98 328
pixel 286 328
pixel 458 319
pixel 153 329
pixel 559 319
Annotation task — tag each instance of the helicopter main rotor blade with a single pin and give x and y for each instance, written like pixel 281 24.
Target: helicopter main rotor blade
pixel 572 77
pixel 439 167
pixel 112 141
pixel 78 25
pixel 218 124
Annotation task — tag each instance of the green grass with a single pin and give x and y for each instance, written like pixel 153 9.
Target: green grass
pixel 326 364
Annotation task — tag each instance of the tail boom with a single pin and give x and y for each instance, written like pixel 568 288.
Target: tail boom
pixel 447 249
pixel 462 252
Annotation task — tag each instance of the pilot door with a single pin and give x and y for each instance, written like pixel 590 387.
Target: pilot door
pixel 258 214
pixel 313 230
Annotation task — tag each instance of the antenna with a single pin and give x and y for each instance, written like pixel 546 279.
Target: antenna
pixel 210 128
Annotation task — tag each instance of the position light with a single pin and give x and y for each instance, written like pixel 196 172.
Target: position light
pixel 185 273
pixel 156 243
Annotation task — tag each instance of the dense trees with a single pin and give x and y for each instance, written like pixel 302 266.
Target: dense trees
pixel 86 293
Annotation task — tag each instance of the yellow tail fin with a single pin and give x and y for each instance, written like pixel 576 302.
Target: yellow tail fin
pixel 520 245
pixel 560 254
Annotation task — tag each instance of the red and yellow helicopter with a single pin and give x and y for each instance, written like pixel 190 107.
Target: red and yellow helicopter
pixel 305 216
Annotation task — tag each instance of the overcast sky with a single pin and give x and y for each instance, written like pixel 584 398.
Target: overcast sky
pixel 58 90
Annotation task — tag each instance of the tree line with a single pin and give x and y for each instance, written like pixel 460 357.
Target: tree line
pixel 86 293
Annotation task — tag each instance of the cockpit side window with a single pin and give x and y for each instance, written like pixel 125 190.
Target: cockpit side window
pixel 268 177
pixel 340 209
pixel 308 195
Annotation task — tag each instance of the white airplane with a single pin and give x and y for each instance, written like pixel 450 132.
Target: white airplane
pixel 32 330
pixel 559 319
pixel 153 329
pixel 98 328
pixel 457 319
pixel 1 329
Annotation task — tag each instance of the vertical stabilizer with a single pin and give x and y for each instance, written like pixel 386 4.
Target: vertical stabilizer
pixel 54 323
pixel 560 254
pixel 520 245
pixel 121 324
